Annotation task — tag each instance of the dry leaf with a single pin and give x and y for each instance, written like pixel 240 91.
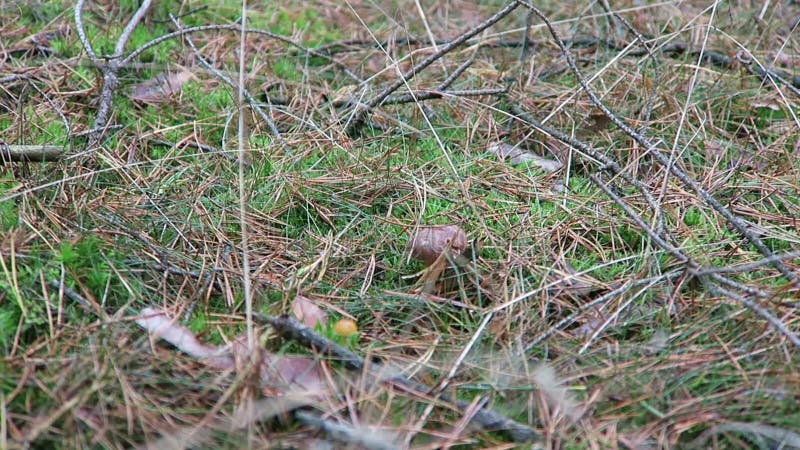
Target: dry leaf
pixel 302 373
pixel 598 122
pixel 160 88
pixel 307 312
pixel 516 155
pixel 160 326
pixel 284 373
pixel 430 242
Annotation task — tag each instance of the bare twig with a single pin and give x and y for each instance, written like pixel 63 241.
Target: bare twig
pixel 30 153
pixel 607 163
pixel 234 27
pixel 596 302
pixel 696 267
pixel 457 73
pixel 658 240
pixel 436 94
pixel 750 266
pixel 77 298
pixel 651 94
pixel 15 77
pixel 108 66
pixel 761 311
pixel 243 194
pixel 202 147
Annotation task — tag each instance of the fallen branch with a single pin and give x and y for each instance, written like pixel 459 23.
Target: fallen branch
pixel 30 153
pixel 109 66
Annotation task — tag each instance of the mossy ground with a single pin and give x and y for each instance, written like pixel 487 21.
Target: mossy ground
pixel 147 219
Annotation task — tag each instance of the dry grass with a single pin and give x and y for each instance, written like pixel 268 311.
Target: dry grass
pixel 134 223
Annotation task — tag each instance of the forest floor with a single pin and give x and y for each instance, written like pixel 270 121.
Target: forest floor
pixel 576 227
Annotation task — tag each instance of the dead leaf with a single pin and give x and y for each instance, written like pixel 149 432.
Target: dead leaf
pixel 279 373
pixel 430 242
pixel 160 326
pixel 307 312
pixel 598 122
pixel 516 155
pixel 302 373
pixel 160 88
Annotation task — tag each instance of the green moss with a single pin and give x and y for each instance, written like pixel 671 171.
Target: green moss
pixel 285 68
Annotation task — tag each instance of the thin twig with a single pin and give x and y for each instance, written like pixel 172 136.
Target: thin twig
pixel 423 95
pixel 608 164
pixel 612 317
pixel 696 267
pixel 193 143
pixel 658 240
pixel 15 77
pixel 243 194
pixel 457 73
pixel 108 66
pixel 71 294
pixel 761 311
pixel 87 46
pixel 749 267
pixel 582 309
pixel 129 27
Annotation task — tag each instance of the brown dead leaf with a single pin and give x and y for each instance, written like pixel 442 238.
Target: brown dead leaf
pixel 307 312
pixel 516 155
pixel 598 122
pixel 279 373
pixel 430 242
pixel 161 326
pixel 300 372
pixel 160 88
